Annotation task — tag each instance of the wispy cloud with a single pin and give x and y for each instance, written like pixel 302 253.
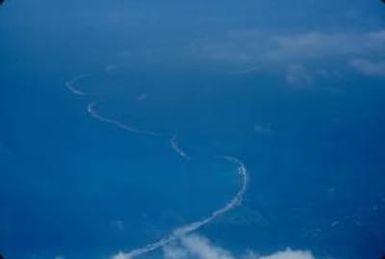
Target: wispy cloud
pixel 298 75
pixel 263 130
pixel 121 255
pixel 199 247
pixel 256 46
pixel 141 97
pixel 368 67
pixel 299 56
pixel 289 254
pixel 118 225
pixel 312 46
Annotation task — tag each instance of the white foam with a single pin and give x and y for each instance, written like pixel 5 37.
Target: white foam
pixel 191 227
pixel 175 146
pixel 72 84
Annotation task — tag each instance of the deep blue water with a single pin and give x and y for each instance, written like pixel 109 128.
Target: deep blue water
pixel 78 187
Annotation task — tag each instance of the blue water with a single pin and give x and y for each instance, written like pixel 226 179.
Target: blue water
pixel 75 186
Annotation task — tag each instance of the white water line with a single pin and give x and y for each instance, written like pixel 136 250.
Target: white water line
pixel 191 227
pixel 72 84
pixel 188 228
pixel 175 146
pixel 92 111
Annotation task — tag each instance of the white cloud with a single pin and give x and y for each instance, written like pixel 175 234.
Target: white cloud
pixel 307 46
pixel 299 56
pixel 175 252
pixel 368 67
pixel 121 255
pixel 202 248
pixel 290 254
pixel 320 46
pixel 298 75
pixel 199 247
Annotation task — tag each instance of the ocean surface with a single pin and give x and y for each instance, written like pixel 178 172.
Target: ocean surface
pixel 118 134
